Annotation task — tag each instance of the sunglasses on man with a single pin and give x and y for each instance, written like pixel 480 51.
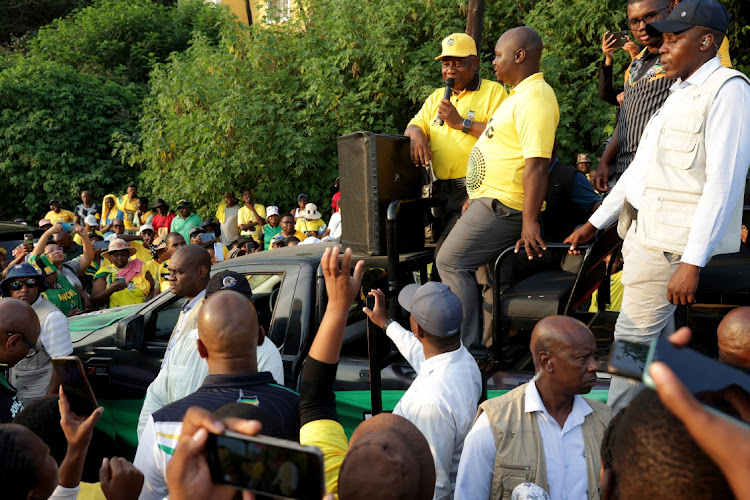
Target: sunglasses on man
pixel 29 282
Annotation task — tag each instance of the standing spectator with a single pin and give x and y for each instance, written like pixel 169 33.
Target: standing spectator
pixel 88 207
pixel 19 328
pixel 33 377
pixel 686 181
pixel 110 213
pixel 442 400
pixel 143 216
pixel 446 146
pixel 272 227
pixel 311 223
pixel 74 267
pixel 251 217
pixel 123 281
pixel 302 199
pixel 228 216
pixel 186 220
pixel 143 247
pixel 163 219
pixel 57 214
pixel 506 179
pixel 646 88
pixel 128 204
pixel 543 432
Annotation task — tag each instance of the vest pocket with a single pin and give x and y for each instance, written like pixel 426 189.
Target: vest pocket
pixel 666 220
pixel 678 144
pixel 513 475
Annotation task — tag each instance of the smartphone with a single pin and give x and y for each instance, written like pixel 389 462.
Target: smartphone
pixel 219 252
pixel 266 465
pixel 208 237
pixel 621 38
pixel 28 239
pixel 68 226
pixel 74 382
pixel 703 376
pixel 627 359
pixel 120 279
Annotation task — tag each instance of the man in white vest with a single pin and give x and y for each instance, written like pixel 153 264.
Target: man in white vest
pixel 681 198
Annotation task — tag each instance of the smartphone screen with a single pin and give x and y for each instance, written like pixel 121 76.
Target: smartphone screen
pixel 28 239
pixel 208 237
pixel 69 370
pixel 120 279
pixel 704 377
pixel 266 466
pixel 219 252
pixel 627 359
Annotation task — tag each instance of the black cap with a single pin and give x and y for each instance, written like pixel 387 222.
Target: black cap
pixel 229 280
pixel 690 13
pixel 196 230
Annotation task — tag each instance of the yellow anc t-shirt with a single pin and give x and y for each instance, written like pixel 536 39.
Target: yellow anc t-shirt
pixel 451 147
pixel 522 127
pixel 245 216
pixel 129 209
pixel 63 216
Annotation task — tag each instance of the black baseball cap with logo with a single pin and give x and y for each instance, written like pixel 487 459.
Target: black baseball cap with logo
pixel 690 13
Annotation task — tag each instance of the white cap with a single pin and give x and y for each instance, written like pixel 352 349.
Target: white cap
pixel 274 210
pixel 145 227
pixel 91 220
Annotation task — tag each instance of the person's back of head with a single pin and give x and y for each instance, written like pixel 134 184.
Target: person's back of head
pixel 20 328
pixel 655 457
pixel 27 469
pixel 733 337
pixel 42 417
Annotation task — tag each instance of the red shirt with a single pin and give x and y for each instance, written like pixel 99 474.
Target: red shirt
pixel 335 201
pixel 161 223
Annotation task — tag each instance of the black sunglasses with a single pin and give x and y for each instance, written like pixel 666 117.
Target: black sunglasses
pixel 29 282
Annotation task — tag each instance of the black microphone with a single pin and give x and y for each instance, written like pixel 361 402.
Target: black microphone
pixel 447 95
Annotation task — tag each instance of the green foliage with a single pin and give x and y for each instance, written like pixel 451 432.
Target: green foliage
pixel 55 127
pixel 18 17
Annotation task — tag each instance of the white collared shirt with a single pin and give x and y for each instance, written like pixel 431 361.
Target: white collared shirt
pixel 442 402
pixel 186 308
pixel 564 452
pixel 727 158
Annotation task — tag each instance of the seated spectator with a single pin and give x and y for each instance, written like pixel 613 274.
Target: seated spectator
pixel 251 216
pixel 143 247
pixel 19 327
pixel 333 231
pixel 186 220
pixel 87 280
pixel 88 207
pixel 70 298
pixel 143 216
pixel 278 241
pixel 442 400
pixel 543 428
pixel 228 216
pixel 163 218
pixel 244 246
pixel 583 164
pixel 271 228
pixel 734 337
pixel 298 213
pixel 122 281
pixel 292 241
pixel 32 377
pixel 228 342
pixel 74 268
pixel 570 200
pixel 654 456
pixel 117 230
pixel 288 230
pixel 311 223
pixel 195 235
pixel 407 469
pixel 57 214
pixel 92 228
pixel 158 266
pixel 110 213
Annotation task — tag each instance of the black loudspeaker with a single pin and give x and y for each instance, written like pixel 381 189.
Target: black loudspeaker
pixel 375 170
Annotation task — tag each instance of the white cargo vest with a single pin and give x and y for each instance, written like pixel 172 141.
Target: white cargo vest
pixel 677 173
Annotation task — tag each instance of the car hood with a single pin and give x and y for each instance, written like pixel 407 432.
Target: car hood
pixel 82 325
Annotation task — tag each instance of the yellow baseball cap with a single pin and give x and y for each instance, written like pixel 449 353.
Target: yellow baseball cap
pixel 458 45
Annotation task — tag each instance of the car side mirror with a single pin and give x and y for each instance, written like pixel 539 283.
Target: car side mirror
pixel 130 332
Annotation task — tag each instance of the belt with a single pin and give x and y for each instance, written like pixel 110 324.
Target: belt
pixel 456 183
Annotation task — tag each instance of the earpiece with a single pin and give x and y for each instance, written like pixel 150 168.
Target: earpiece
pixel 705 43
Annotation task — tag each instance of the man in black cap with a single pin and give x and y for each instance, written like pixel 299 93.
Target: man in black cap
pixel 686 181
pixel 186 220
pixel 163 218
pixel 442 400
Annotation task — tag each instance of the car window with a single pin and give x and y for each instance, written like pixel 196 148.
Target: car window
pixel 166 319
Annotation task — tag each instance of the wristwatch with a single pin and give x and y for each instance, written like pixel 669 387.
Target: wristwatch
pixel 387 323
pixel 467 126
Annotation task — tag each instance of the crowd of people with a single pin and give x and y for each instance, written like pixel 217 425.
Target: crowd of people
pixel 673 174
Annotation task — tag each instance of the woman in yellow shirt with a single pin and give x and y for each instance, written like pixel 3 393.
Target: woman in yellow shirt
pixel 119 280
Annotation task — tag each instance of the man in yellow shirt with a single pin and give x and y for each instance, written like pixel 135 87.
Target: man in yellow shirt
pixel 57 214
pixel 464 116
pixel 128 203
pixel 251 217
pixel 506 179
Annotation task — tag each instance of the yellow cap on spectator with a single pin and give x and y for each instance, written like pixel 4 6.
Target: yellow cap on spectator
pixel 458 45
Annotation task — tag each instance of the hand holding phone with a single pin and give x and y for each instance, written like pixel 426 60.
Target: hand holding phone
pixel 620 39
pixel 67 226
pixel 73 380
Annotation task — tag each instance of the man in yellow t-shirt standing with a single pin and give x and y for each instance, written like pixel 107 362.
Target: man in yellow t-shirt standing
pixel 128 203
pixel 251 217
pixel 57 214
pixel 506 179
pixel 464 116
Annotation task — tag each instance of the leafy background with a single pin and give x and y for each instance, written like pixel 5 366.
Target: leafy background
pixel 189 103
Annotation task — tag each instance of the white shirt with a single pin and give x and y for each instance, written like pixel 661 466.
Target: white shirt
pixel 230 230
pixel 564 452
pixel 335 225
pixel 441 402
pixel 186 308
pixel 727 158
pixel 185 371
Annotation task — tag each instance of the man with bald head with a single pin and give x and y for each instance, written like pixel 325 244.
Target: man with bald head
pixel 228 339
pixel 189 272
pixel 506 179
pixel 734 337
pixel 543 431
pixel 19 333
